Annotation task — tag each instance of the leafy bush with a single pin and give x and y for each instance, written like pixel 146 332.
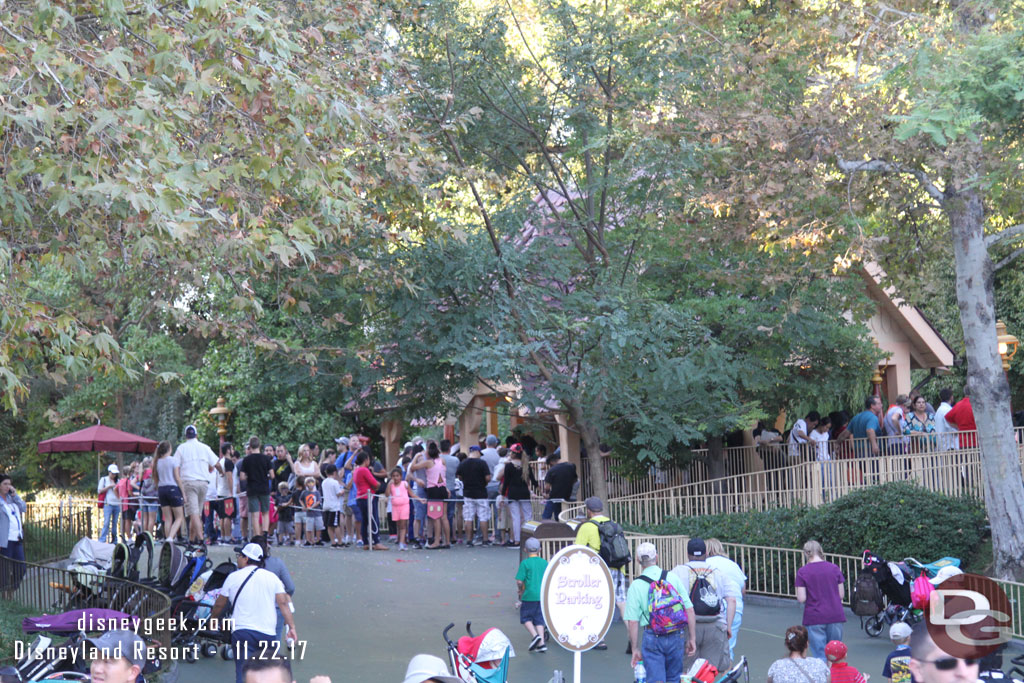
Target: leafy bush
pixel 895 520
pixel 899 520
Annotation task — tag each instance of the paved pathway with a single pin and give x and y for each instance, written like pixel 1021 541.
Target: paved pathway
pixel 363 615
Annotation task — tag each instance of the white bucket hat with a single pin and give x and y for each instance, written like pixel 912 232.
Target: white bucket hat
pixel 428 667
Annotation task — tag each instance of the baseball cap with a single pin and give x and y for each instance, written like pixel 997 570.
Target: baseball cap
pixel 474 448
pixel 945 573
pixel 112 469
pixel 696 548
pixel 646 549
pixel 426 668
pixel 121 644
pixel 835 650
pixel 899 631
pixel 532 544
pixel 594 504
pixel 190 432
pixel 251 550
pixel 492 441
pixel 341 440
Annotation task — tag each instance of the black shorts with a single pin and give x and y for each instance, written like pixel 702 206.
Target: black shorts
pixel 170 497
pixel 332 518
pixel 217 507
pixel 437 493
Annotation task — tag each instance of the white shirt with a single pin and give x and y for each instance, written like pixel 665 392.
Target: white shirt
pixel 196 459
pixel 794 440
pixel 223 490
pixel 820 440
pixel 332 494
pixel 112 498
pixel 256 607
pixel 948 439
pixel 733 572
pixel 14 529
pixel 491 457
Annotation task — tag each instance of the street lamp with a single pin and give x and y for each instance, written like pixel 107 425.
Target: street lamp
pixel 1007 344
pixel 220 415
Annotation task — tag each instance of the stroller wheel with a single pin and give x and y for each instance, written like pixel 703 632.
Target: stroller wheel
pixel 874 626
pixel 227 652
pixel 190 655
pixel 209 650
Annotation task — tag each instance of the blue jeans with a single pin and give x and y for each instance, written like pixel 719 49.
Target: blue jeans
pixel 11 573
pixel 663 656
pixel 820 634
pixel 110 514
pixel 551 510
pixel 736 621
pixel 251 644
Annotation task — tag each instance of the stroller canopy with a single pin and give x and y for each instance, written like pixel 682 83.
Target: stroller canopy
pixel 88 550
pixel 88 620
pixel 490 646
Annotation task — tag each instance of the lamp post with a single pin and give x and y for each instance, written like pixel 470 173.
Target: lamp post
pixel 220 415
pixel 1007 344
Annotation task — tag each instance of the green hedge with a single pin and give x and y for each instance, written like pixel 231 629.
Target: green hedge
pixel 895 520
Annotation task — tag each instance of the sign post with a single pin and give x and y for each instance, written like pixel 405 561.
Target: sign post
pixel 578 600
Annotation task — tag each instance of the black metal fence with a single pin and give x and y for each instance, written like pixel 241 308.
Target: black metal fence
pixel 49 590
pixel 51 531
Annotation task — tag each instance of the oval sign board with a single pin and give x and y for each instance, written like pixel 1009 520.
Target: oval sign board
pixel 577 598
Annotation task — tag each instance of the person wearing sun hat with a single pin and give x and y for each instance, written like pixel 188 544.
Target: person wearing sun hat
pixel 841 671
pixel 253 593
pixel 428 669
pixel 662 654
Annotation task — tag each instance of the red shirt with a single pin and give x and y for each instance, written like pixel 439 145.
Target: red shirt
pixel 365 482
pixel 962 415
pixel 842 672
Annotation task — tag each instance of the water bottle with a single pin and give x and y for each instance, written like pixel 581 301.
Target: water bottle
pixel 640 673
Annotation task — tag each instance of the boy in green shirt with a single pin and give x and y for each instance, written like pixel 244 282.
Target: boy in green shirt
pixel 528 581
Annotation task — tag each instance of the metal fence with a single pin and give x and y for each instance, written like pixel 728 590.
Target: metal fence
pixel 770 571
pixel 52 531
pixel 49 590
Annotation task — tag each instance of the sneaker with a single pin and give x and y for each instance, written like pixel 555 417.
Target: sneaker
pixel 487 544
pixel 543 647
pixel 470 544
pixel 535 643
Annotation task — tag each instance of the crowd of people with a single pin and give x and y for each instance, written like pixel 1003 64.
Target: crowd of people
pixel 437 494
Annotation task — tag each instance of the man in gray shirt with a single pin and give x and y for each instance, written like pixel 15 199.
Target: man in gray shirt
pixel 451 463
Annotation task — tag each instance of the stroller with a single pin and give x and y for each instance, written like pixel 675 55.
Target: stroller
pixel 196 607
pixel 479 659
pixel 43 660
pixel 894 579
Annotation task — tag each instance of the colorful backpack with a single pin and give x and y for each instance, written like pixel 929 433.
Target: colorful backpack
pixel 665 606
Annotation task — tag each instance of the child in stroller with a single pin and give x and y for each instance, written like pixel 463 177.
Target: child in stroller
pixel 480 659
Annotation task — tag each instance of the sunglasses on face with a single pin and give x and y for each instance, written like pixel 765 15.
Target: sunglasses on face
pixel 949 663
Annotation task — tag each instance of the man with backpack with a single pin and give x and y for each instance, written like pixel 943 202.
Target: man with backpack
pixel 658 604
pixel 713 596
pixel 600 533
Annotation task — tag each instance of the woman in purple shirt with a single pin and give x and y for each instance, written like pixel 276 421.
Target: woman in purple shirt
pixel 820 586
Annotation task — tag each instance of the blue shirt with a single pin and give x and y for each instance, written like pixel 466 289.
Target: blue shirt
pixel 859 426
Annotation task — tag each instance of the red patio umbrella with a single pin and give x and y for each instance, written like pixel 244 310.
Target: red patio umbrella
pixel 98 438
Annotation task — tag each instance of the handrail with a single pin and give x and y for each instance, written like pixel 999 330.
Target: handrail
pixel 770 571
pixel 51 590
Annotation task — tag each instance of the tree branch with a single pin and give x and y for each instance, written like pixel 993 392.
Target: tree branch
pixel 1008 259
pixel 879 166
pixel 996 238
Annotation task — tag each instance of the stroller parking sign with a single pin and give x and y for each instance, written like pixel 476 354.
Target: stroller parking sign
pixel 577 598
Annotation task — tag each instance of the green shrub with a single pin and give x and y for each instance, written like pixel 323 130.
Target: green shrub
pixel 895 520
pixel 898 520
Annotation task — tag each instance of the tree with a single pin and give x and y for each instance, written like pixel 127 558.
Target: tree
pixel 910 117
pixel 153 152
pixel 573 191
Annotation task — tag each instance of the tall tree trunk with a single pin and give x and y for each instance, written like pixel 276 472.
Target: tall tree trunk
pixel 591 439
pixel 716 461
pixel 987 385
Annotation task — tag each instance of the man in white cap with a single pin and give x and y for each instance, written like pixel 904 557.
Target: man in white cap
pixel 662 653
pixel 117 657
pixel 197 462
pixel 253 593
pixel 107 487
pixel 428 669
